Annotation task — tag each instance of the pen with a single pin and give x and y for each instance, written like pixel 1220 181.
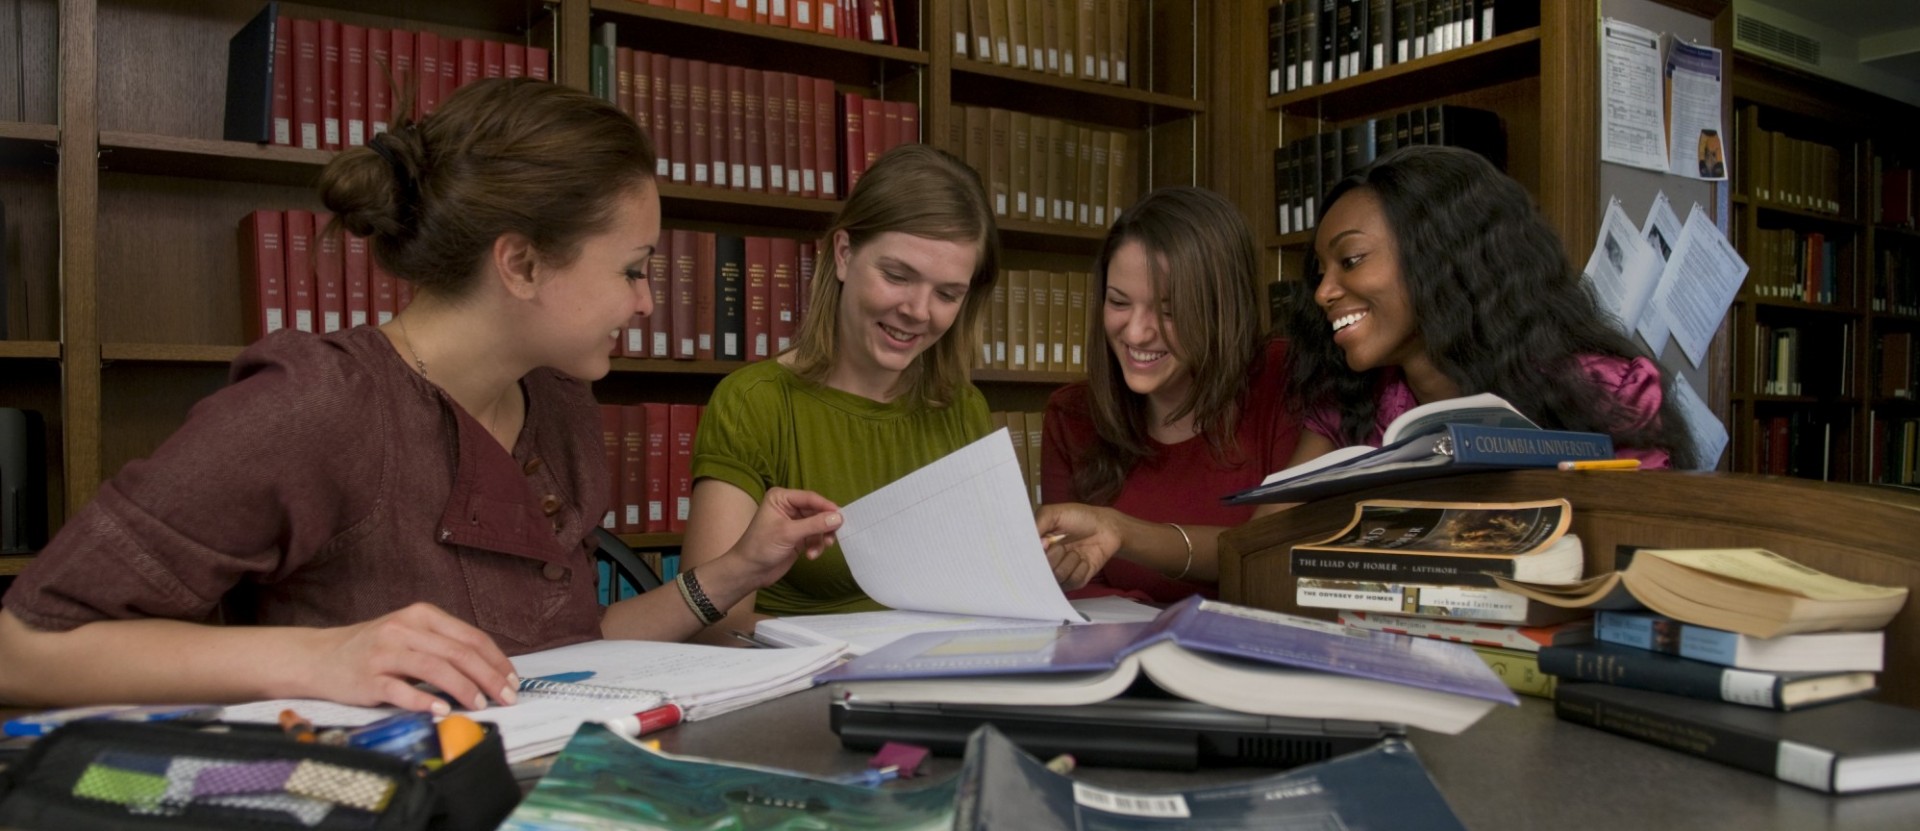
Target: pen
pixel 1602 464
pixel 532 684
pixel 871 778
pixel 1050 539
pixel 649 721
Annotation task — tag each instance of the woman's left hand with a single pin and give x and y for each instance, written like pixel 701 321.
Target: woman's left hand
pixel 1080 539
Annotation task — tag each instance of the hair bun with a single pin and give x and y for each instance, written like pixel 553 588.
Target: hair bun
pixel 374 190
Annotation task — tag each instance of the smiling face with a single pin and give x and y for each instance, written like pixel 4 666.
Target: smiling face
pixel 593 297
pixel 1139 327
pixel 899 294
pixel 1361 289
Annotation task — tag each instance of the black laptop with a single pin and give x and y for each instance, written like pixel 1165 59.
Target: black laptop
pixel 1139 730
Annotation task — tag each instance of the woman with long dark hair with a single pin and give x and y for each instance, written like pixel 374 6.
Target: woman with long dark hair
pixel 1184 402
pixel 1434 277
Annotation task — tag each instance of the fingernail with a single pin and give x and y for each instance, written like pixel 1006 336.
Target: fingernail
pixel 833 520
pixel 508 696
pixel 479 701
pixel 513 680
pixel 440 708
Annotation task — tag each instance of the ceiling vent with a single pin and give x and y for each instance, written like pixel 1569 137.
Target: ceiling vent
pixel 1760 35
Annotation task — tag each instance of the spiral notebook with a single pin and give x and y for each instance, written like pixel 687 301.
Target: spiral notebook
pixel 628 677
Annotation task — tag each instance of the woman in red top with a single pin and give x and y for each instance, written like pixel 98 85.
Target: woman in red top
pixel 1184 403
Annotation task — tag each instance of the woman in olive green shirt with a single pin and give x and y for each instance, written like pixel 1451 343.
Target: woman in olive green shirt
pixel 876 386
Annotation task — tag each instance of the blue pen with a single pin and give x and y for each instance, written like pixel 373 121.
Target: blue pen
pixel 561 678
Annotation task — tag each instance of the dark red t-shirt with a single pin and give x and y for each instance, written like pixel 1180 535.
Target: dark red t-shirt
pixel 329 484
pixel 1181 482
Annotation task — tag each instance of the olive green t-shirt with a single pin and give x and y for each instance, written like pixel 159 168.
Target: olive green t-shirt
pixel 766 427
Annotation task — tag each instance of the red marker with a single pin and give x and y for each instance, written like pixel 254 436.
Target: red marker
pixel 650 721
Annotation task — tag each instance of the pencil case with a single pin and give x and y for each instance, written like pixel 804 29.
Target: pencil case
pixel 148 776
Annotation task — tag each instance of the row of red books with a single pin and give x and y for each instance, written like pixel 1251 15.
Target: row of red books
pixel 721 297
pixel 746 129
pixel 650 459
pixel 868 20
pixel 335 84
pixel 296 276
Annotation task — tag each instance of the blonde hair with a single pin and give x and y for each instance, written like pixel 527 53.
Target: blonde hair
pixel 918 190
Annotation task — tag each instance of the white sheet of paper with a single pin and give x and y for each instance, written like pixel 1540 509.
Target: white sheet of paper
pixel 1661 229
pixel 1695 289
pixel 956 536
pixel 1709 435
pixel 1632 122
pixel 864 632
pixel 1623 268
pixel 1693 97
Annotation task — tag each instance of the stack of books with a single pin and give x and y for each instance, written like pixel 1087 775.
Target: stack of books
pixel 1428 569
pixel 1747 658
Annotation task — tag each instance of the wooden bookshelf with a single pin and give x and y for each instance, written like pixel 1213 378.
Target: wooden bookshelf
pixel 29 349
pixel 1509 57
pixel 1837 429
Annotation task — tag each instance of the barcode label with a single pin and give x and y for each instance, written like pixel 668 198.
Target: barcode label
pixel 1137 805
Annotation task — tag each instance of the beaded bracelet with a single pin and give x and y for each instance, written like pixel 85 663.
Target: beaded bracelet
pixel 697 599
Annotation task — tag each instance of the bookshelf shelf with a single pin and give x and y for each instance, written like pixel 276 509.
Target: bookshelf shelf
pixel 26 142
pixel 12 564
pixel 679 202
pixel 1108 104
pixel 1297 239
pixel 1027 235
pixel 1764 398
pixel 1507 57
pixel 1908 234
pixel 1806 215
pixel 1896 318
pixel 652 540
pixel 1021 376
pixel 482 15
pixel 169 353
pixel 755 35
pixel 124 152
pixel 1802 306
pixel 29 349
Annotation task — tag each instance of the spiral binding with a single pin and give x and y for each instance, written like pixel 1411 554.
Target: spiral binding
pixel 595 692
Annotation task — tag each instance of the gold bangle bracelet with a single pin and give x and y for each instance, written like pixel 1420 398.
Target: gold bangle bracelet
pixel 1189 541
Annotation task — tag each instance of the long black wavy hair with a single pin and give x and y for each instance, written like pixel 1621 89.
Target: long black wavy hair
pixel 1494 297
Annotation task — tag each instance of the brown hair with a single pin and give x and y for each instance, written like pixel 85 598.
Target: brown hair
pixel 501 155
pixel 1204 265
pixel 913 189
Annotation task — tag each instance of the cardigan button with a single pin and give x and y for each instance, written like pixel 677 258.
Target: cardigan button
pixel 553 571
pixel 550 504
pixel 532 466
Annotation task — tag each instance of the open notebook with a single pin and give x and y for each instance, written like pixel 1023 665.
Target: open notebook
pixel 705 681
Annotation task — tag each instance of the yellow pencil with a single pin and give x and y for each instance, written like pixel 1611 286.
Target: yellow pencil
pixel 1050 539
pixel 1602 464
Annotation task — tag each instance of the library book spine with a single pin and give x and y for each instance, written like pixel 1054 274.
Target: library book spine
pixel 1423 600
pixel 1640 717
pixel 1519 670
pixel 1625 666
pixel 1400 566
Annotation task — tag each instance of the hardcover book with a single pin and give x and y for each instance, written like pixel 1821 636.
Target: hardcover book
pixel 1625 666
pixel 1451 448
pixel 1475 633
pixel 1382 787
pixel 1475 603
pixel 1461 543
pixel 1232 657
pixel 1843 748
pixel 1810 652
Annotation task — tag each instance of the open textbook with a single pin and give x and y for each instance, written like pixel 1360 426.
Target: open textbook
pixel 1228 656
pixel 705 681
pixel 1751 591
pixel 864 632
pixel 1475 432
